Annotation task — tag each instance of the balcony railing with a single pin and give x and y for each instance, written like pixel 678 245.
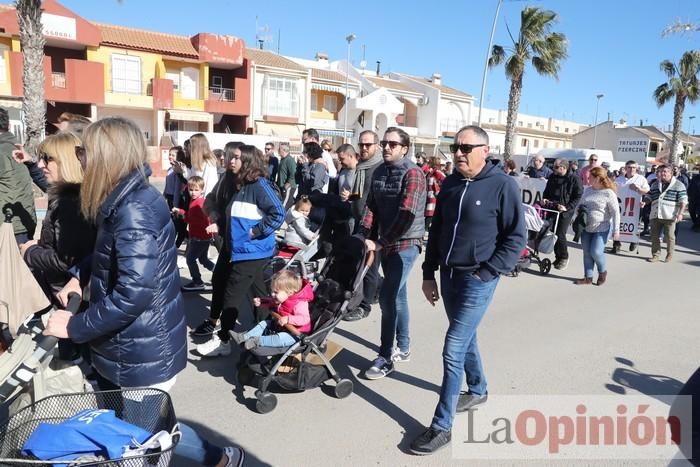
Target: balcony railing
pixel 451 125
pixel 222 94
pixel 58 80
pixel 132 87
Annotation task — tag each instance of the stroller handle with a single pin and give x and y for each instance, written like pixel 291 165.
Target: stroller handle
pixel 49 342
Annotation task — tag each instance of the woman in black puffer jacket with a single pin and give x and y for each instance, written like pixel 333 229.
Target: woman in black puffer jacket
pixel 135 324
pixel 67 237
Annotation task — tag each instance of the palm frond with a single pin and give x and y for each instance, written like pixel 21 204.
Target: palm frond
pixel 689 65
pixel 662 94
pixel 668 67
pixel 514 66
pixel 498 55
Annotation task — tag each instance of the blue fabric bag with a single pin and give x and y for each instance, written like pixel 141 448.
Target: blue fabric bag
pixel 90 432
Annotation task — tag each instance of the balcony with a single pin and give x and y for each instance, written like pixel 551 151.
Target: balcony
pixel 449 126
pixel 82 82
pixel 222 94
pixel 135 88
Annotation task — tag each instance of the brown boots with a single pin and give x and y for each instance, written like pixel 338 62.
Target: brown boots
pixel 584 281
pixel 602 277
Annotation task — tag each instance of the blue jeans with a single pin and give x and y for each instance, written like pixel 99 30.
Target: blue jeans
pixel 593 244
pixel 394 302
pixel 466 299
pixel 198 250
pixel 281 339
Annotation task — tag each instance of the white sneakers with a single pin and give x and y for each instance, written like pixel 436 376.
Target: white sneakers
pixel 214 347
pixel 235 456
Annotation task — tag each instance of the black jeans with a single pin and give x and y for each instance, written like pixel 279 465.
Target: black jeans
pixel 245 281
pixel 219 279
pixel 371 283
pixel 561 251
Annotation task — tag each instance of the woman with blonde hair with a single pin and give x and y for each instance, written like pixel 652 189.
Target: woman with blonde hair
pixel 66 236
pixel 135 323
pixel 204 163
pixel 602 211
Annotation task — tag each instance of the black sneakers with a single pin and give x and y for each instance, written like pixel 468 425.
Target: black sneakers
pixel 429 441
pixel 207 328
pixel 467 400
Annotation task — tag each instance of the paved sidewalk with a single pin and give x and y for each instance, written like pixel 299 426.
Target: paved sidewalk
pixel 542 335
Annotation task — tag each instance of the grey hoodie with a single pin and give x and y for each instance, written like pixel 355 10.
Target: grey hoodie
pixel 16 188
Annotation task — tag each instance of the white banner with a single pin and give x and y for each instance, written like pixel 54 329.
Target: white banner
pixel 629 214
pixel 632 149
pixel 531 189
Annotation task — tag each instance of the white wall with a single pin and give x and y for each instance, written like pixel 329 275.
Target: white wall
pixel 143 118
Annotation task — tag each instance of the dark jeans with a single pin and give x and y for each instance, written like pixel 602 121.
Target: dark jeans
pixel 219 279
pixel 466 300
pixel 245 281
pixel 561 251
pixel 371 282
pixel 198 250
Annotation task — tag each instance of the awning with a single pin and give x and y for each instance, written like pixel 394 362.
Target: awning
pixel 190 116
pixel 280 130
pixel 348 133
pixel 328 87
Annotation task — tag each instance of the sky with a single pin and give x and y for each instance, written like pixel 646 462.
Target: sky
pixel 615 47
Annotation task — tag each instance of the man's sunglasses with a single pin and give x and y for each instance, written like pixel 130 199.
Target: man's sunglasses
pixel 464 148
pixel 391 144
pixel 366 145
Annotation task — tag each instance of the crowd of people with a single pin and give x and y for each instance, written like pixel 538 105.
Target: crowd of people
pixel 110 236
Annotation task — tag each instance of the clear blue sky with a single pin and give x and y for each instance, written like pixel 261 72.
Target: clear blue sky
pixel 615 47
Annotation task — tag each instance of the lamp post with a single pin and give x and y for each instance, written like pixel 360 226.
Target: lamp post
pixel 595 122
pixel 486 65
pixel 349 38
pixel 690 121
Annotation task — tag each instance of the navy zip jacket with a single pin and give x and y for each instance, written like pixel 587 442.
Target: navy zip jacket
pixel 478 225
pixel 135 323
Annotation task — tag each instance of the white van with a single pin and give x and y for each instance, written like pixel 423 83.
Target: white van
pixel 579 154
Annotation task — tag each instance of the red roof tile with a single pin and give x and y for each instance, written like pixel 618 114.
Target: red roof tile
pixel 168 44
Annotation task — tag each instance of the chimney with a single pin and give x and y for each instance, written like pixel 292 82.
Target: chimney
pixel 641 122
pixel 436 79
pixel 378 64
pixel 322 57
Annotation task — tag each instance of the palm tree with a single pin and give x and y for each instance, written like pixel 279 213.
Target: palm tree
pixel 682 84
pixel 544 49
pixel 32 41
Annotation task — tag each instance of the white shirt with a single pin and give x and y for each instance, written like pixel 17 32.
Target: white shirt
pixel 209 174
pixel 328 159
pixel 636 179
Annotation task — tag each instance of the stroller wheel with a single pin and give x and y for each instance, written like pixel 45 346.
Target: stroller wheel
pixel 245 375
pixel 266 402
pixel 545 266
pixel 343 388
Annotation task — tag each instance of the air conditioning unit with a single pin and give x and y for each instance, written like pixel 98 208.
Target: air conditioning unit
pixel 424 100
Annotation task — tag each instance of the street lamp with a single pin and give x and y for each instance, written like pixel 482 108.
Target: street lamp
pixel 349 38
pixel 595 122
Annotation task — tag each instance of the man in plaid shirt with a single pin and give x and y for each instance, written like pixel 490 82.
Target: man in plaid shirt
pixel 393 223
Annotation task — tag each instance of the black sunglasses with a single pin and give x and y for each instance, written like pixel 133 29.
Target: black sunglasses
pixel 391 144
pixel 45 158
pixel 465 148
pixel 366 145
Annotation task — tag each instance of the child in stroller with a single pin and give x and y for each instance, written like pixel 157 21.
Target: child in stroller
pixel 540 238
pixel 338 290
pixel 291 309
pixel 299 231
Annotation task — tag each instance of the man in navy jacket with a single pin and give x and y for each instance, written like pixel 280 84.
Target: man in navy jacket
pixel 478 232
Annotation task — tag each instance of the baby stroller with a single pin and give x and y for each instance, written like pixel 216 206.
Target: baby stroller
pixel 306 364
pixel 296 259
pixel 38 391
pixel 540 238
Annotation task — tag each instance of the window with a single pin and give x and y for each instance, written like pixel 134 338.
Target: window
pixel 280 96
pixel 491 120
pixel 314 101
pixel 174 76
pixel 520 123
pixel 3 65
pixel 330 103
pixel 566 130
pixel 556 128
pixel 536 143
pixel 126 74
pixel 523 142
pixel 529 125
pixel 217 81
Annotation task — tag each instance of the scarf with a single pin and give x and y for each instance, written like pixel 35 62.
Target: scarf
pixel 359 185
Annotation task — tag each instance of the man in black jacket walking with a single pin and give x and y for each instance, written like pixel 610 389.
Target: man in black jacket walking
pixel 477 234
pixel 562 193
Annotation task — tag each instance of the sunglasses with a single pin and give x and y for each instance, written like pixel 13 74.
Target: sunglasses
pixel 45 158
pixel 464 148
pixel 592 160
pixel 366 145
pixel 269 149
pixel 391 144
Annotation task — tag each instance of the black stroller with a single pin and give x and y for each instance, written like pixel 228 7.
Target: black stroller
pixel 306 364
pixel 541 224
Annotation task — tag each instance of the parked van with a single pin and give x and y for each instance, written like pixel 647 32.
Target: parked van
pixel 580 155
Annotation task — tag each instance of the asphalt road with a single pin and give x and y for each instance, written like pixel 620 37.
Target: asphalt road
pixel 637 334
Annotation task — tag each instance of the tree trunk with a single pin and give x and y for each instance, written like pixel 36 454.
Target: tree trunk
pixel 516 88
pixel 32 40
pixel 678 109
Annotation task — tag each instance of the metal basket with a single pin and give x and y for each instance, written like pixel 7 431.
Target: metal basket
pixel 150 409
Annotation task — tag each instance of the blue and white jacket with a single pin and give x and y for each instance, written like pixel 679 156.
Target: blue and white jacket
pixel 255 208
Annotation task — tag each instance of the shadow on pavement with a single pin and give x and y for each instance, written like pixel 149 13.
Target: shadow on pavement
pixel 220 440
pixel 650 384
